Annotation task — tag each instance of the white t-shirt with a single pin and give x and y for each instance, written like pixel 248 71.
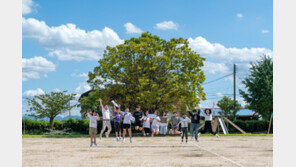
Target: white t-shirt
pixel 92 121
pixel 127 118
pixel 106 113
pixel 146 123
pixel 208 117
pixel 155 122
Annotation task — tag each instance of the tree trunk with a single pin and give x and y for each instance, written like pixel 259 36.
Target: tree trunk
pixel 51 124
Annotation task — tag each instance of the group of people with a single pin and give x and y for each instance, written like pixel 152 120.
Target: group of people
pixel 148 124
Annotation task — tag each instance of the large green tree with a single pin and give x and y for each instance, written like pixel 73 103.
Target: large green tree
pixel 151 72
pixel 259 87
pixel 50 105
pixel 229 107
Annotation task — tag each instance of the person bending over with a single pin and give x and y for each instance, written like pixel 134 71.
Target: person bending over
pixel 175 123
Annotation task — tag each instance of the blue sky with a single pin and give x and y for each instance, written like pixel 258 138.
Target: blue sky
pixel 63 40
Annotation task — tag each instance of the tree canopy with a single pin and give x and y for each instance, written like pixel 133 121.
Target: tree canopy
pixel 229 107
pixel 259 87
pixel 151 72
pixel 50 105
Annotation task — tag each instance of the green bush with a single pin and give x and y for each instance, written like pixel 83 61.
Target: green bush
pixel 250 126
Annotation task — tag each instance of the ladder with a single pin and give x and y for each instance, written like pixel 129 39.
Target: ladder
pixel 222 123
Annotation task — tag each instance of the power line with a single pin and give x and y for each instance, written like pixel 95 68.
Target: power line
pixel 217 79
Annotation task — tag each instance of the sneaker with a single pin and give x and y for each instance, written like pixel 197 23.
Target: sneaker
pixel 95 144
pixel 196 140
pixel 117 139
pixel 131 140
pixel 181 142
pixel 106 134
pixel 91 144
pixel 198 134
pixel 217 135
pixel 123 140
pixel 186 142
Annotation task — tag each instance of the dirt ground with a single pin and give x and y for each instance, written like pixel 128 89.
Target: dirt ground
pixel 158 151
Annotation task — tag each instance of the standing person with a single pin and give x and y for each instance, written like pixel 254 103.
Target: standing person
pixel 146 124
pixel 184 127
pixel 127 118
pixel 106 119
pixel 208 121
pixel 155 124
pixel 175 123
pixel 117 125
pixel 93 118
pixel 195 119
pixel 139 116
pixel 163 123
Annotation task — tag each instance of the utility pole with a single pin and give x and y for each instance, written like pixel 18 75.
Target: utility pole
pixel 234 86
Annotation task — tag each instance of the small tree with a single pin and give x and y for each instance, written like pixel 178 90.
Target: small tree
pixel 50 105
pixel 259 85
pixel 229 107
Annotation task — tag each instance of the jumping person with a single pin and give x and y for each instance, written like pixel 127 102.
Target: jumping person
pixel 93 118
pixel 106 119
pixel 208 121
pixel 139 116
pixel 163 123
pixel 184 127
pixel 155 124
pixel 175 123
pixel 127 118
pixel 146 124
pixel 117 125
pixel 195 119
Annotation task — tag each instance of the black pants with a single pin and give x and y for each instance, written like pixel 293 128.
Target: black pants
pixel 184 131
pixel 208 127
pixel 117 127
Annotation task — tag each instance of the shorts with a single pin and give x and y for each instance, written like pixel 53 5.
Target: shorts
pixel 147 130
pixel 139 123
pixel 155 128
pixel 117 126
pixel 92 131
pixel 175 127
pixel 126 126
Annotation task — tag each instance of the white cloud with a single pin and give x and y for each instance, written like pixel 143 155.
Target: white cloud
pixel 83 87
pixel 219 94
pixel 32 93
pixel 82 75
pixel 67 42
pixel 239 15
pixel 167 25
pixel 218 51
pixel 213 68
pixel 265 31
pixel 27 6
pixel 130 28
pixel 32 67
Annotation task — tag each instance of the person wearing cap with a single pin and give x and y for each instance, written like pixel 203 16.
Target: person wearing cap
pixel 195 119
pixel 139 116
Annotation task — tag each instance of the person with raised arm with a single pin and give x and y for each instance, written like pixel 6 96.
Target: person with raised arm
pixel 195 119
pixel 93 118
pixel 127 119
pixel 208 114
pixel 117 125
pixel 106 119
